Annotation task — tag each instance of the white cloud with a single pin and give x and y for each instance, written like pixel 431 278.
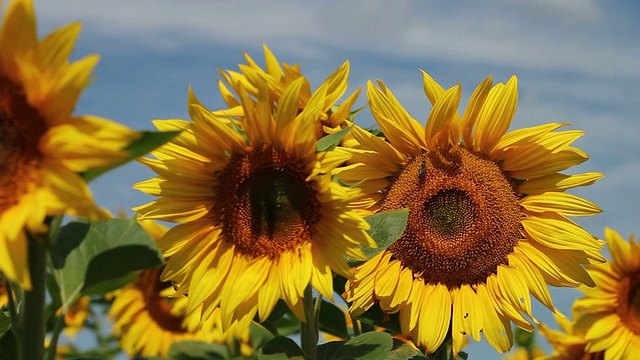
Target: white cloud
pixel 523 34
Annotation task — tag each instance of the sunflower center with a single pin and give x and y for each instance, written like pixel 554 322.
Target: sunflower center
pixel 464 217
pixel 21 128
pixel 629 301
pixel 158 307
pixel 266 205
pixel 449 213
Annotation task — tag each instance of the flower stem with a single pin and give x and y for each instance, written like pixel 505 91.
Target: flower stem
pixel 53 345
pixel 33 322
pixel 13 308
pixel 309 329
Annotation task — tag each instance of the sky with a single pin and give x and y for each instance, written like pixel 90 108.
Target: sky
pixel 577 61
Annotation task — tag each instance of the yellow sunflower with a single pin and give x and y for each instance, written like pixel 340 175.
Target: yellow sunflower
pixel 260 217
pixel 568 343
pixel 278 78
pixel 149 320
pixel 610 312
pixel 43 146
pixel 4 297
pixel 76 316
pixel 487 222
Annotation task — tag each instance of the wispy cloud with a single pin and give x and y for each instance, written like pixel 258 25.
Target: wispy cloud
pixel 573 36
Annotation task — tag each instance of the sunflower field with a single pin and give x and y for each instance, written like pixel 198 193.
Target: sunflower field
pixel 278 227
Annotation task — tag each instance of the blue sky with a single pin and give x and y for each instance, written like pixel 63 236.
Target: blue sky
pixel 576 60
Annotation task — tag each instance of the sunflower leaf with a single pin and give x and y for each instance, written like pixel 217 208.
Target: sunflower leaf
pixel 327 350
pixel 280 348
pixel 148 141
pixel 330 141
pixel 192 350
pixel 386 228
pixel 402 351
pixel 333 320
pixel 100 253
pixel 368 346
pixel 8 346
pixel 5 322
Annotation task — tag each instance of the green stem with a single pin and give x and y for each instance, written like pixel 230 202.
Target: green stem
pixel 53 345
pixel 13 310
pixel 356 326
pixel 309 329
pixel 33 322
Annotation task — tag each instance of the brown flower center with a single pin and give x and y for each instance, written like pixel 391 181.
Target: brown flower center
pixel 21 128
pixel 464 217
pixel 159 308
pixel 629 302
pixel 265 203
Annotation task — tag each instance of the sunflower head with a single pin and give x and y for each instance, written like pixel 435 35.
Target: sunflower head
pixel 568 342
pixel 42 146
pixel 487 221
pixel 148 310
pixel 260 217
pixel 610 311
pixel 277 78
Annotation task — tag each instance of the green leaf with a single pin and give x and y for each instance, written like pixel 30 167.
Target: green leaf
pixel 148 141
pixel 259 335
pixel 333 320
pixel 108 250
pixel 8 346
pixel 282 321
pixel 352 115
pixel 386 228
pixel 330 141
pixel 368 346
pixel 5 322
pixel 327 350
pixel 106 286
pixel 376 317
pixel 197 350
pixel 402 351
pixel 525 339
pixel 71 235
pixel 280 348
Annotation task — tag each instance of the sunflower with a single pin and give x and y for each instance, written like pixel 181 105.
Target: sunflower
pixel 260 217
pixel 278 78
pixel 76 316
pixel 148 320
pixel 4 293
pixel 42 146
pixel 568 343
pixel 487 221
pixel 610 312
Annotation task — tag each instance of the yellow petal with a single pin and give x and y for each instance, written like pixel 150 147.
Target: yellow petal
pixel 404 132
pixel 436 132
pixel 18 35
pixel 435 317
pixel 559 233
pixel 476 102
pixel 496 329
pixel 496 115
pixel 558 182
pixel 561 203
